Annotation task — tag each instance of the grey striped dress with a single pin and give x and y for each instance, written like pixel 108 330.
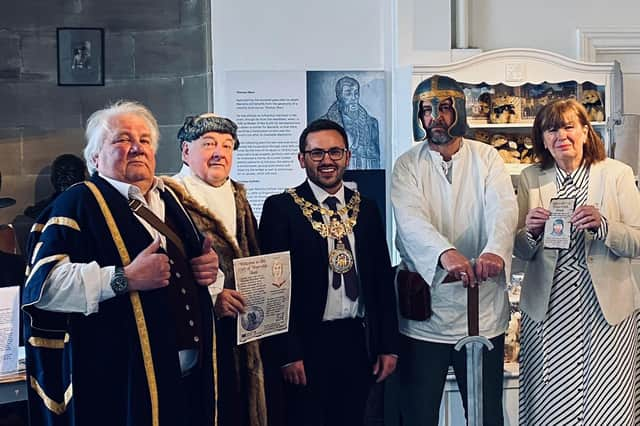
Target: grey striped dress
pixel 575 368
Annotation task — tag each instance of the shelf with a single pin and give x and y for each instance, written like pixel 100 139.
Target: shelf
pixel 480 125
pixel 515 169
pixel 496 80
pixel 519 125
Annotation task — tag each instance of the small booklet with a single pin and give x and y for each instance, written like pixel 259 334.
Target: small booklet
pixel 9 337
pixel 557 229
pixel 265 281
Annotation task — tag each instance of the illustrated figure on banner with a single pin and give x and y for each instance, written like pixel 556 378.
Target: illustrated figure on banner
pixel 361 128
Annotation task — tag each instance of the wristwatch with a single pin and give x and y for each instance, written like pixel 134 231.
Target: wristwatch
pixel 119 282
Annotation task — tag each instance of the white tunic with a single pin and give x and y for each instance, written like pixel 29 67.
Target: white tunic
pixel 476 213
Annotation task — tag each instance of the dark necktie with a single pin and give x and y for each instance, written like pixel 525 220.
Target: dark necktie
pixel 350 277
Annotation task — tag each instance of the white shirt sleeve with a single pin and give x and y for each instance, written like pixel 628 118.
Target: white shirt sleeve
pixel 216 288
pixel 418 240
pixel 81 287
pixel 76 287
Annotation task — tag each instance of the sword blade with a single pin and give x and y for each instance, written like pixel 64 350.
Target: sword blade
pixel 474 346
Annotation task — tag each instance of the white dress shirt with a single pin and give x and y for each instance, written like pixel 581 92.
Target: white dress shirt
pixel 475 212
pixel 338 306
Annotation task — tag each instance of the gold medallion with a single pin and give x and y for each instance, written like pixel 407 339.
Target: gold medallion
pixel 337 229
pixel 340 259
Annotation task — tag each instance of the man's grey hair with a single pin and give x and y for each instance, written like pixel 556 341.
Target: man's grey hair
pixel 100 128
pixel 346 81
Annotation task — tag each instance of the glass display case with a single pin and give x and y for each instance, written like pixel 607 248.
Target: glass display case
pixel 506 88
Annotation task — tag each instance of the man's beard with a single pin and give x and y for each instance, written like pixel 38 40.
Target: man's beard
pixel 350 109
pixel 439 138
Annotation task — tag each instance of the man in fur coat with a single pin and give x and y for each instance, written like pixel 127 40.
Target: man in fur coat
pixel 220 210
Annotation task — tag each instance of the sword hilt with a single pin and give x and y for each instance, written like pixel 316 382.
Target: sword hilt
pixel 473 301
pixel 474 342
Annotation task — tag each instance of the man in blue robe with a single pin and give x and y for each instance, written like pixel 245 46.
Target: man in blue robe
pixel 118 324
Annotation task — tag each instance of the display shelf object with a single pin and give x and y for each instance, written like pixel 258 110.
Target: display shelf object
pixel 505 89
pixel 525 124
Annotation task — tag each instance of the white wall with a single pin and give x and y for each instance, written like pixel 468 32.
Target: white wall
pixel 544 24
pixel 294 34
pixel 424 31
pixel 424 25
pixel 297 35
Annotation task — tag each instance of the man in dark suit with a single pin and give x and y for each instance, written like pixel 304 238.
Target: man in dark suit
pixel 343 326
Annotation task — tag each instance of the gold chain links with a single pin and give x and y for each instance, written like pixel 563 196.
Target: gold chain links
pixel 336 228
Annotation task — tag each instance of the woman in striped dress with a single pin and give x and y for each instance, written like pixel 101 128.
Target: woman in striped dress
pixel 580 357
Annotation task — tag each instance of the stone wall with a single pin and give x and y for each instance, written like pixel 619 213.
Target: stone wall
pixel 156 52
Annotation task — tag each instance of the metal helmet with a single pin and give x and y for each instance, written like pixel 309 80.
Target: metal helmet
pixel 434 90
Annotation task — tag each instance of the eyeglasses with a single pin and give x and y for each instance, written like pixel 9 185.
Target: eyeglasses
pixel 318 154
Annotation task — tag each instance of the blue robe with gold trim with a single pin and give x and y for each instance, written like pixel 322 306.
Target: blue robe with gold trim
pixel 90 369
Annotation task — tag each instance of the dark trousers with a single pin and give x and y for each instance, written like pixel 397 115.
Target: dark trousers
pixel 416 390
pixel 339 377
pixel 193 398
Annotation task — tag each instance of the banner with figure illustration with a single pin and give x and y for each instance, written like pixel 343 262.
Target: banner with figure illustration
pixel 271 109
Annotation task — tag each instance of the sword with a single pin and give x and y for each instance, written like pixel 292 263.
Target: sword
pixel 474 344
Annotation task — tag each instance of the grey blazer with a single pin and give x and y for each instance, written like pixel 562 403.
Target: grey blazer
pixel 612 190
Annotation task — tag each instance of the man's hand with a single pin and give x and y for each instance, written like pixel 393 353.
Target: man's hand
pixel 459 266
pixel 205 266
pixel 488 265
pixel 229 303
pixel 384 366
pixel 149 270
pixel 535 220
pixel 294 373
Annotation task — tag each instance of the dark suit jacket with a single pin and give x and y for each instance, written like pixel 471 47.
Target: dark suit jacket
pixel 283 227
pixel 12 268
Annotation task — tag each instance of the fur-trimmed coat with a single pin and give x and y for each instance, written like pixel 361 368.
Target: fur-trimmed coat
pixel 240 375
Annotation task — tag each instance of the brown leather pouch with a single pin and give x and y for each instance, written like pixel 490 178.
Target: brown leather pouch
pixel 414 296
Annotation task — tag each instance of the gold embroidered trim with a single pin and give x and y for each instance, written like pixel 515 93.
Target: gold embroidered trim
pixel 136 304
pixel 426 96
pixel 35 251
pixel 111 223
pixel 336 228
pixel 37 227
pixel 436 92
pixel 41 342
pixel 57 407
pixel 63 221
pixel 53 258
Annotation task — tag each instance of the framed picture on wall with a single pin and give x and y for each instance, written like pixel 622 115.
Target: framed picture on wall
pixel 80 56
